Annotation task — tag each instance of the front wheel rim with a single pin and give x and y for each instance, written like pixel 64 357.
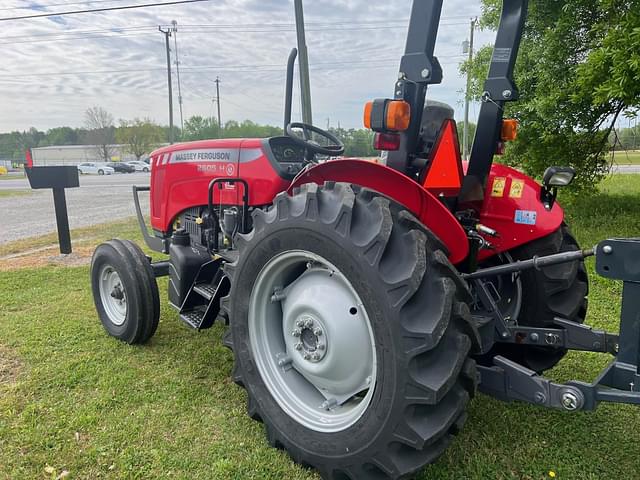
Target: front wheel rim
pixel 312 341
pixel 112 295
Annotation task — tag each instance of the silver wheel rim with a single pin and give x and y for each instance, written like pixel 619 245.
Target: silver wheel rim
pixel 312 341
pixel 112 295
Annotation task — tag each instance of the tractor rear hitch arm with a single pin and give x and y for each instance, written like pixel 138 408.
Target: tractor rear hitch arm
pixel 535 262
pixel 619 382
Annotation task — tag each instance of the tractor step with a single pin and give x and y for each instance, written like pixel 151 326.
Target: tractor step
pixel 202 304
pixel 205 290
pixel 195 317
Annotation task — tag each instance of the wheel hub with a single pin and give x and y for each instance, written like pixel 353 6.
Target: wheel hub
pixel 329 340
pixel 114 300
pixel 312 341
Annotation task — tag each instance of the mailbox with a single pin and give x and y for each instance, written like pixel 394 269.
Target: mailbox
pixel 56 178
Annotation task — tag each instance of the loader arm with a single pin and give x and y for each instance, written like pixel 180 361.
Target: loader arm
pixel 499 88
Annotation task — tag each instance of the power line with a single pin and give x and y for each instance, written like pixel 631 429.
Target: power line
pixel 81 32
pixel 105 9
pixel 361 63
pixel 34 7
pixel 117 33
pixel 240 27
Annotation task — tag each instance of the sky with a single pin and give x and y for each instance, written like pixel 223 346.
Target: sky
pixel 54 68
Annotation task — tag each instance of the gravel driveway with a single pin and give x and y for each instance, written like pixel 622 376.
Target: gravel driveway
pixel 100 199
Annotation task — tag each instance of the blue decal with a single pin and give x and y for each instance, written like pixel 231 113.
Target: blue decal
pixel 525 217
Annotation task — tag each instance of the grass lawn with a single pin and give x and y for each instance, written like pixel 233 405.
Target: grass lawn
pixel 627 158
pixel 13 193
pixel 74 399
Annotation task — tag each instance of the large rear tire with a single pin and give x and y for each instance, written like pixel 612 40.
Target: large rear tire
pixel 351 333
pixel 556 291
pixel 125 291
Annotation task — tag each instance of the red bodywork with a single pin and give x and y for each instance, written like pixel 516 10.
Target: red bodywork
pixel 181 174
pixel 179 182
pixel 498 211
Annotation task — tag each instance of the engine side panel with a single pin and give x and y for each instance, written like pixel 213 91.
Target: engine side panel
pixel 400 188
pixel 512 207
pixel 181 174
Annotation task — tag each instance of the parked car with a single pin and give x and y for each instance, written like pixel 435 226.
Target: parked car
pixel 121 167
pixel 95 168
pixel 140 166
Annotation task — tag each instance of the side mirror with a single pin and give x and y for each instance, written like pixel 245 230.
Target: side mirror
pixel 553 178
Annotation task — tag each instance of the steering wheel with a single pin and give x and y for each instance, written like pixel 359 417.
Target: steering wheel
pixel 335 147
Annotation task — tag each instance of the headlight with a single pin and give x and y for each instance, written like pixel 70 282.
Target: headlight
pixel 558 176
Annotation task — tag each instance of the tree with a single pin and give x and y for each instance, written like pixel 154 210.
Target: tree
pixel 139 136
pixel 471 133
pixel 61 136
pixel 200 128
pixel 100 134
pixel 578 69
pixel 357 142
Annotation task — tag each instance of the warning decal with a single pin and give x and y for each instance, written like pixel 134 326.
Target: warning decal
pixel 517 187
pixel 497 190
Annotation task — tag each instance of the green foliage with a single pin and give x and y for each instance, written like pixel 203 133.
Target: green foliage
pixel 249 129
pixel 626 139
pixel 203 128
pixel 578 69
pixel 200 128
pixel 357 142
pixel 472 133
pixel 140 136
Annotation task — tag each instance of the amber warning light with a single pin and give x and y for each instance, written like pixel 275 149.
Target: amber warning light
pixel 383 115
pixel 509 130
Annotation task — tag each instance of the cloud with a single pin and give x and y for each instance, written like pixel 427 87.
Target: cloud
pixel 55 68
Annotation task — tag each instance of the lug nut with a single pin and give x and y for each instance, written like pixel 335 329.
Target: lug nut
pixel 317 332
pixel 316 356
pixel 298 346
pixel 306 356
pixel 296 332
pixel 308 323
pixel 321 346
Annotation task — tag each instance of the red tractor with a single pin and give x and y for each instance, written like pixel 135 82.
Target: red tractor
pixel 367 302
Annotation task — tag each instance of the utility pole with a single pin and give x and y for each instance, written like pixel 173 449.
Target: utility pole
pixel 175 43
pixel 303 63
pixel 218 102
pixel 469 46
pixel 167 34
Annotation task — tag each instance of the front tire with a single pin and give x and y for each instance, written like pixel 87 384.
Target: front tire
pixel 346 267
pixel 125 291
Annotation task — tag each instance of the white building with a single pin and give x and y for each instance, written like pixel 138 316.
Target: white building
pixel 76 154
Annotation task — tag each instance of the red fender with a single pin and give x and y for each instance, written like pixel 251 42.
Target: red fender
pixel 399 188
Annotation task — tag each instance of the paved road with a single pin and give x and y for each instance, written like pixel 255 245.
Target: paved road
pixel 626 169
pixel 99 199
